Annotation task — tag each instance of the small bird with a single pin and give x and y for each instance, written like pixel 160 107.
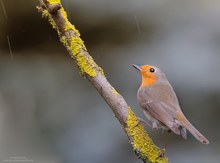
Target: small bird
pixel 160 105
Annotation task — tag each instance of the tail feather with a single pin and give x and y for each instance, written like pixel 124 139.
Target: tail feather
pixel 185 123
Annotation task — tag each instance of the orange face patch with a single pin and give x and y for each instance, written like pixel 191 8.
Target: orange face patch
pixel 148 77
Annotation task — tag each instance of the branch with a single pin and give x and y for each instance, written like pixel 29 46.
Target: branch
pixel 70 38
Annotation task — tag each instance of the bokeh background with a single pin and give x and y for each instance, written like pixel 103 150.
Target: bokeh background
pixel 51 114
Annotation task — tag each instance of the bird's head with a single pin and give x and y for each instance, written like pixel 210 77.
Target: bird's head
pixel 150 74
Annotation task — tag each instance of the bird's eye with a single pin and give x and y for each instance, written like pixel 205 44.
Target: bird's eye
pixel 152 70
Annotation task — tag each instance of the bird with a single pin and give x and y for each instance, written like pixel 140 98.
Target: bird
pixel 160 105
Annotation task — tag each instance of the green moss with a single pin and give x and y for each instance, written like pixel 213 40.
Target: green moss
pixel 141 142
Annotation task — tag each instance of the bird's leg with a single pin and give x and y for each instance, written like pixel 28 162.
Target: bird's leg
pixel 143 121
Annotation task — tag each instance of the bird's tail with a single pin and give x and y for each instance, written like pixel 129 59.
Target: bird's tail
pixel 185 123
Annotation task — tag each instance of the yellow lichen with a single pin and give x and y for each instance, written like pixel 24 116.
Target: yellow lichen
pixel 63 39
pixel 53 1
pixel 141 142
pixel 115 92
pixel 86 65
pixel 62 9
pixel 45 13
pixel 69 26
pixel 73 43
pixel 76 45
pixel 101 70
pixel 51 21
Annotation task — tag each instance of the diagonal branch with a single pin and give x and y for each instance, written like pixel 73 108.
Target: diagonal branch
pixel 70 37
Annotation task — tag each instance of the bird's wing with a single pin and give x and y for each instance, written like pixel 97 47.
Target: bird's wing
pixel 162 94
pixel 164 113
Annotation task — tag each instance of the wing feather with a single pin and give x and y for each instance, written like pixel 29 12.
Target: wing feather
pixel 164 113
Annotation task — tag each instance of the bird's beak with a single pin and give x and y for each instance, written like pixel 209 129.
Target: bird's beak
pixel 137 67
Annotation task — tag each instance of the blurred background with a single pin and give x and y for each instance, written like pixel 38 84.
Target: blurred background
pixel 51 114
